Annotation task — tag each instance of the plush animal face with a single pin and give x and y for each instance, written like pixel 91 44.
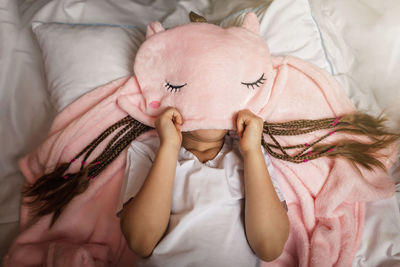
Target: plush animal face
pixel 206 72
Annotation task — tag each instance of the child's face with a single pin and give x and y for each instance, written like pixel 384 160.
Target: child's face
pixel 205 135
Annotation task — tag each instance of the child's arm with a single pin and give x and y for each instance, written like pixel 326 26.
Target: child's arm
pixel 266 221
pixel 145 218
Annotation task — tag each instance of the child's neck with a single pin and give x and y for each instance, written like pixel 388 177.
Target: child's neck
pixel 203 150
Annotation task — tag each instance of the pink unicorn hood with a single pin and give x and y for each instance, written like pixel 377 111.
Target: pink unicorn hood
pixel 208 76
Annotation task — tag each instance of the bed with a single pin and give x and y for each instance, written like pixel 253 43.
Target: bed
pixel 49 53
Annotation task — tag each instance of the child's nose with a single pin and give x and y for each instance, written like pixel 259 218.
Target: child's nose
pixel 155 104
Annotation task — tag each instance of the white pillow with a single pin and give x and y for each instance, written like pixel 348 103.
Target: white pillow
pixel 289 28
pixel 80 57
pixel 363 42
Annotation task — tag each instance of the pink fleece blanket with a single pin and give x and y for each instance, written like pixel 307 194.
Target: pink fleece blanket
pixel 208 74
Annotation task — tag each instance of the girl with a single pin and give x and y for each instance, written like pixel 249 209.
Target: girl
pixel 190 207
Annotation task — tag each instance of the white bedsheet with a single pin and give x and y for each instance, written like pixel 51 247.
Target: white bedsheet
pixel 362 44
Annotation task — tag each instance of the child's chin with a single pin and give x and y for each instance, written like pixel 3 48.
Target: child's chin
pixel 208 135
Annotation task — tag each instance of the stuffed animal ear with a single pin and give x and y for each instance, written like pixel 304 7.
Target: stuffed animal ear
pixel 154 27
pixel 251 23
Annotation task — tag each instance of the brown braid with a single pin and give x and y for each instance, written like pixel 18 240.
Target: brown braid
pixel 103 136
pixel 100 139
pixel 44 181
pixel 53 191
pixel 364 154
pixel 136 129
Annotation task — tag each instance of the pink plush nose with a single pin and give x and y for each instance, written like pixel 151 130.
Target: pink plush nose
pixel 155 104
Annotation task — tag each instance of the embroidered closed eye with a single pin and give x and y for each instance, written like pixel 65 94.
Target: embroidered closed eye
pixel 256 83
pixel 173 88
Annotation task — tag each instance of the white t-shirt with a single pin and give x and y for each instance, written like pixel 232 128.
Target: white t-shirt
pixel 206 226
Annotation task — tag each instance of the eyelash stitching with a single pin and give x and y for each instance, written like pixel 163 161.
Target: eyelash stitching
pixel 173 88
pixel 256 83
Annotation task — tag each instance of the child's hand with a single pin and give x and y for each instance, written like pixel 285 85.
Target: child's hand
pixel 168 128
pixel 249 128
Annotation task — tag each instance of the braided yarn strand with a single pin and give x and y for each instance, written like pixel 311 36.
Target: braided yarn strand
pixel 365 154
pixel 53 191
pixel 135 129
pixel 293 128
pixel 91 147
